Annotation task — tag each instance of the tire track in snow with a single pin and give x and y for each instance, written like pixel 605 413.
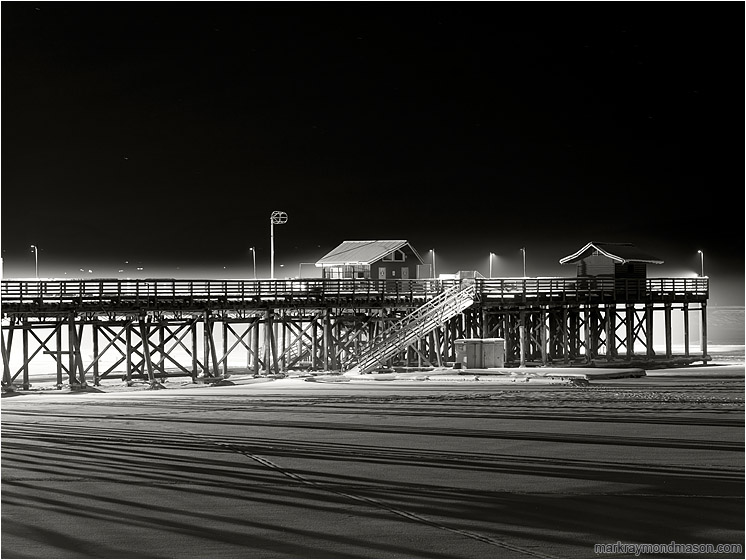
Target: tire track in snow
pixel 371 501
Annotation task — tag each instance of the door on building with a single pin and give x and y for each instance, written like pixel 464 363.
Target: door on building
pixel 405 273
pixel 382 273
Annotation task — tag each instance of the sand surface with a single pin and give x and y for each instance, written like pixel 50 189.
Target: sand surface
pixel 389 469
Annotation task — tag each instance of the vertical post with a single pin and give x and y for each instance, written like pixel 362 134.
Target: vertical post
pixel 703 333
pixel 267 341
pixel 587 333
pixel 7 381
pixel 667 319
pixel 505 318
pixel 630 324
pixel 145 337
pixel 271 249
pixel 543 335
pixel 195 361
pixel 225 348
pixel 273 345
pixel 565 334
pixel 686 329
pixel 283 346
pixel 650 351
pixel 610 331
pixel 72 374
pixel 277 217
pixel 523 250
pixel 24 334
pixel 95 355
pixel 128 351
pixel 327 338
pixel 255 337
pixel 248 345
pixel 58 355
pixel 206 343
pixel 314 342
pixel 162 357
pixel 213 350
pixel 522 337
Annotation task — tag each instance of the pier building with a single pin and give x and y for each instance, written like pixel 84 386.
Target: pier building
pixel 381 259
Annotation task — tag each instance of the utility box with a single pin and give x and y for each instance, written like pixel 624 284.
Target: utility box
pixel 480 352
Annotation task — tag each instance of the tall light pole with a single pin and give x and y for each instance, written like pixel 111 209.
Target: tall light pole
pixel 491 255
pixel 432 251
pixel 523 250
pixel 36 260
pixel 253 254
pixel 278 217
pixel 702 263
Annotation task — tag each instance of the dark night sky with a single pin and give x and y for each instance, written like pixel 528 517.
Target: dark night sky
pixel 164 134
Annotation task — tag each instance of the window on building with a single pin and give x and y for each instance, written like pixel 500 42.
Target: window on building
pixel 396 256
pixel 347 272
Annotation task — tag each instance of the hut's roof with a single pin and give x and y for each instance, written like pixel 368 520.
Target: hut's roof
pixel 363 252
pixel 618 252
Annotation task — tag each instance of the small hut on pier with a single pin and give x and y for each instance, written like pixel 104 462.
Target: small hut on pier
pixel 377 259
pixel 611 260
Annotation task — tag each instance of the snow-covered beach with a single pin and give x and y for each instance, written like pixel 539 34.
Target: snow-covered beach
pixel 407 467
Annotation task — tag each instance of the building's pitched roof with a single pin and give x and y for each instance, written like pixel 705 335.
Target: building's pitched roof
pixel 619 252
pixel 362 252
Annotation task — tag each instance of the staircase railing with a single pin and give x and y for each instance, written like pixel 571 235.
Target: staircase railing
pixel 421 321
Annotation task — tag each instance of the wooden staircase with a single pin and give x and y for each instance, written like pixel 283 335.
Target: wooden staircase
pixel 414 326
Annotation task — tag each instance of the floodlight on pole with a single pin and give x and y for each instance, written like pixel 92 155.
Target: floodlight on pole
pixel 523 250
pixel 432 251
pixel 36 260
pixel 702 263
pixel 491 255
pixel 253 254
pixel 277 217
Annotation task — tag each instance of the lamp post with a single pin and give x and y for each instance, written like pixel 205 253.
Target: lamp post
pixel 491 255
pixel 278 217
pixel 702 263
pixel 523 250
pixel 432 252
pixel 36 260
pixel 253 254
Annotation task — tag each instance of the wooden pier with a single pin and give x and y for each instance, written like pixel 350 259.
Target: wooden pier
pixel 152 329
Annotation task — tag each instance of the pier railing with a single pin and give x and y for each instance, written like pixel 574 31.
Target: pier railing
pixel 593 289
pixel 163 292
